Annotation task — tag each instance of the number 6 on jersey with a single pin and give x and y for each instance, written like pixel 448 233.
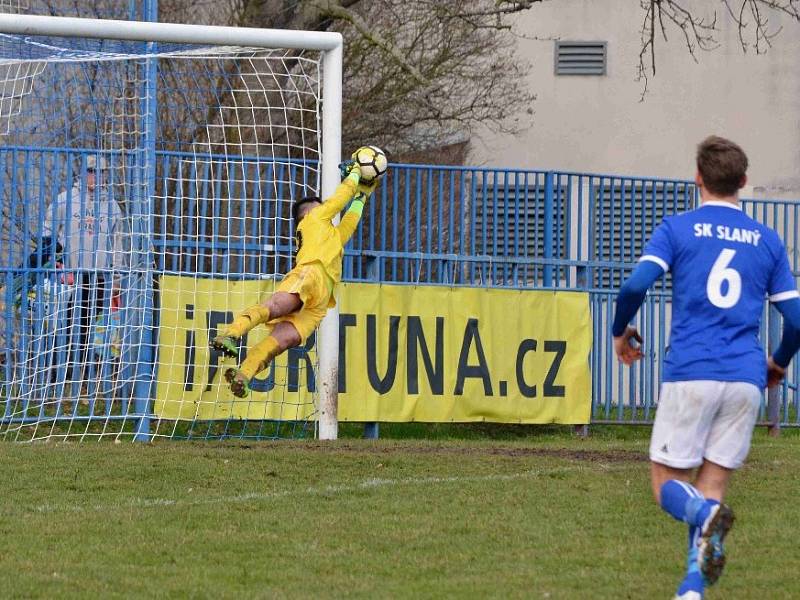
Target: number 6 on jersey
pixel 720 273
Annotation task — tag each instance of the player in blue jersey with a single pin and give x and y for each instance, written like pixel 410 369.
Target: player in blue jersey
pixel 724 265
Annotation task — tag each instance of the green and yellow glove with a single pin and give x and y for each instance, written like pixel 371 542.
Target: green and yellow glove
pixel 350 170
pixel 348 167
pixel 357 204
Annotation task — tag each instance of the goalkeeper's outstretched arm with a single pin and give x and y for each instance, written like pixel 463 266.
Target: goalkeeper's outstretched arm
pixel 344 192
pixel 350 220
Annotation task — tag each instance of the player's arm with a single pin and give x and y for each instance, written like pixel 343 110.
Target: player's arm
pixel 790 340
pixel 655 261
pixel 349 222
pixel 783 294
pixel 630 298
pixel 343 194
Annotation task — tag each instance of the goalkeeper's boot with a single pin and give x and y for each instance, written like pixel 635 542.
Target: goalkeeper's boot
pixel 711 551
pixel 225 344
pixel 238 381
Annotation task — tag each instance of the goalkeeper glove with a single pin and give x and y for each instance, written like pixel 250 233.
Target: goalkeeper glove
pixel 348 167
pixel 357 205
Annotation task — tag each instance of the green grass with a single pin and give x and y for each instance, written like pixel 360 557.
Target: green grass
pixel 522 515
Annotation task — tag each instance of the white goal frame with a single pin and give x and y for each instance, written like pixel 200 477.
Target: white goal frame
pixel 330 44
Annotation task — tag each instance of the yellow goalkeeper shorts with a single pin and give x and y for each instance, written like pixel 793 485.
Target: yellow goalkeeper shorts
pixel 315 289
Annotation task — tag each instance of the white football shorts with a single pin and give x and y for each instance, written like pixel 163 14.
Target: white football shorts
pixel 698 420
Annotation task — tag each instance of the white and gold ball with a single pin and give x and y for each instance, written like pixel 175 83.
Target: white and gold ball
pixel 371 161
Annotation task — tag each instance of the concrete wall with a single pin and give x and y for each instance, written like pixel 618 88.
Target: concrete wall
pixel 598 124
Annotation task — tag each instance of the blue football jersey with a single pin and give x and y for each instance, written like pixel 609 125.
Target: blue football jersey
pixel 724 265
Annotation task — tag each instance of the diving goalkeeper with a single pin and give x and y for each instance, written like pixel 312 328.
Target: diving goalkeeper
pixel 304 295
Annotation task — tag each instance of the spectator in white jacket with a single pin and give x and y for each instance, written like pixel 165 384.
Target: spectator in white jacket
pixel 89 223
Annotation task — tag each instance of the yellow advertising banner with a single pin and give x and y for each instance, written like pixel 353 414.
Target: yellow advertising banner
pixel 406 353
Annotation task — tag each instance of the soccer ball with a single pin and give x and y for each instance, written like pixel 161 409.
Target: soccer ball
pixel 371 161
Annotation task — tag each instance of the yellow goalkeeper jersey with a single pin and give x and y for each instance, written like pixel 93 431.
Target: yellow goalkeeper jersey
pixel 319 240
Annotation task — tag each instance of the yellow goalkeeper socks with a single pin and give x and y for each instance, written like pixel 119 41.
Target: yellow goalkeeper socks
pixel 251 317
pixel 259 357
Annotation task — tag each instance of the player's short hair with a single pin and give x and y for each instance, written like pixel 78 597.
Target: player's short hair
pixel 299 203
pixel 722 165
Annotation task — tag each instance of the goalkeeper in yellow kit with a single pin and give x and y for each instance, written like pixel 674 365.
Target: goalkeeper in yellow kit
pixel 304 295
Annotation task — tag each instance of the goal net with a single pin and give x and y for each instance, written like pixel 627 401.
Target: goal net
pixel 147 173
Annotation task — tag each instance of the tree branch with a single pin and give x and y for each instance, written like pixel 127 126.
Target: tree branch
pixel 336 10
pixel 698 33
pixel 755 12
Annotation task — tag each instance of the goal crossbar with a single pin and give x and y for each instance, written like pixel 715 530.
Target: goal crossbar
pixel 170 33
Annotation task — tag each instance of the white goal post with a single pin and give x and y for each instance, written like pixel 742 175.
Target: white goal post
pixel 329 45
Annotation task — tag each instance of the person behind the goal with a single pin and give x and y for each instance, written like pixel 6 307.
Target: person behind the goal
pixel 304 295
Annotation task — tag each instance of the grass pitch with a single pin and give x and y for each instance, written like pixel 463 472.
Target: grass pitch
pixel 532 515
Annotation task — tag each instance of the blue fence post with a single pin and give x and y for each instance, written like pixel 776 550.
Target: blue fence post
pixel 372 430
pixel 549 185
pixel 145 370
pixel 581 282
pixel 773 394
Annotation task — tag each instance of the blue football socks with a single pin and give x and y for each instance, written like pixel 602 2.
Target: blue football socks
pixel 685 503
pixel 693 581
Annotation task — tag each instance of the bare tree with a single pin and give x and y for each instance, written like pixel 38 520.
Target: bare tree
pixel 417 74
pixel 699 30
pixel 426 71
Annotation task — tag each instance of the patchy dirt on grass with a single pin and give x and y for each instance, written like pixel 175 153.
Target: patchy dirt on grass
pixel 613 456
pixel 592 456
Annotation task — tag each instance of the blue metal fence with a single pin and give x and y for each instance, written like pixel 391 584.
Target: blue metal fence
pixel 551 230
pixel 428 224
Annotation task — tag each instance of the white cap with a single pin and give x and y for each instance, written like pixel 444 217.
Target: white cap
pixel 92 163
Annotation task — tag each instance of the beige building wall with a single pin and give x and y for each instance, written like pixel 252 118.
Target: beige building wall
pixel 599 124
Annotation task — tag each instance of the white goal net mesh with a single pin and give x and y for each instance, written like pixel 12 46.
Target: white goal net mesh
pixel 146 197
